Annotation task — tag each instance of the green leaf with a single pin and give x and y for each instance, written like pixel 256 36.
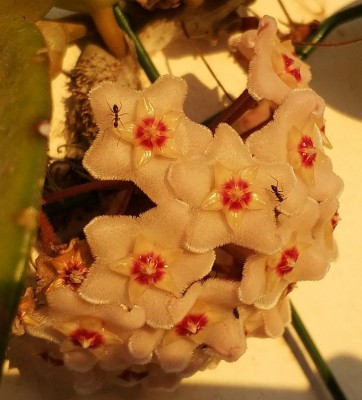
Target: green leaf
pixel 25 108
pixel 32 10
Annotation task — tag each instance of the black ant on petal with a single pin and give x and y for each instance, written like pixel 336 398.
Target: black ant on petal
pixel 115 110
pixel 277 192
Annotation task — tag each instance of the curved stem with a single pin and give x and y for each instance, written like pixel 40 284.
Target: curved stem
pixel 317 358
pixel 83 188
pixel 327 26
pixel 242 104
pixel 143 57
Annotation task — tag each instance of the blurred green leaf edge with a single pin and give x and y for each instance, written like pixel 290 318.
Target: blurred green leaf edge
pixel 25 109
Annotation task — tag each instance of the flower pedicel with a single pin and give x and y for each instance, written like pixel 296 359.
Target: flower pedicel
pixel 147 301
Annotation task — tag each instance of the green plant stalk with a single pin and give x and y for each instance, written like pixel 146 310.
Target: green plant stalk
pixel 326 27
pixel 317 358
pixel 25 109
pixel 143 57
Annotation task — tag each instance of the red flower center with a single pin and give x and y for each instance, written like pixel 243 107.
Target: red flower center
pixel 151 133
pixel 290 68
pixel 86 339
pixel 236 194
pixel 148 268
pixel 74 273
pixel 191 324
pixel 307 151
pixel 287 261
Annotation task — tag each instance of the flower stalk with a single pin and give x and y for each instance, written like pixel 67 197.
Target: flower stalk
pixel 316 356
pixel 143 57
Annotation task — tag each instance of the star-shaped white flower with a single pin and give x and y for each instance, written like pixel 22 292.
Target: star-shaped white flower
pixel 229 195
pixel 204 316
pixel 85 343
pixel 141 261
pixel 142 133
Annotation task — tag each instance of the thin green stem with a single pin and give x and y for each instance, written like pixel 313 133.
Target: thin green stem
pixel 143 56
pixel 327 26
pixel 318 360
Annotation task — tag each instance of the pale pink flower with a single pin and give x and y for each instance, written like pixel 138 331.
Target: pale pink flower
pixel 141 261
pixel 142 133
pixel 274 69
pixel 266 277
pixel 203 317
pixel 86 341
pixel 294 137
pixel 230 195
pixel 326 224
pixel 300 258
pixel 64 303
pixel 269 322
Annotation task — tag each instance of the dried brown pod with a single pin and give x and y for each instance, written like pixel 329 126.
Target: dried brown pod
pixel 94 66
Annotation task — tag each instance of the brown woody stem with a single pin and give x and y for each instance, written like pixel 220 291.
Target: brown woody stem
pixel 84 188
pixel 242 104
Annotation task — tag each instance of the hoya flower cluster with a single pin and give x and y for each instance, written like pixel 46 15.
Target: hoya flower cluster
pixel 159 297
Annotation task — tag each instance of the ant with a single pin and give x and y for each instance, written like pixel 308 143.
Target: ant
pixel 278 193
pixel 115 110
pixel 116 114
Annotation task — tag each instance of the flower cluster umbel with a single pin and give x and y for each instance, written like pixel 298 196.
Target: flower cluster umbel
pixel 149 302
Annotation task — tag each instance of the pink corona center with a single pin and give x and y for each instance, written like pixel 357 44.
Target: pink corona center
pixel 335 219
pixel 86 339
pixel 287 261
pixel 236 194
pixel 307 151
pixel 74 273
pixel 151 133
pixel 289 65
pixel 148 268
pixel 191 324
